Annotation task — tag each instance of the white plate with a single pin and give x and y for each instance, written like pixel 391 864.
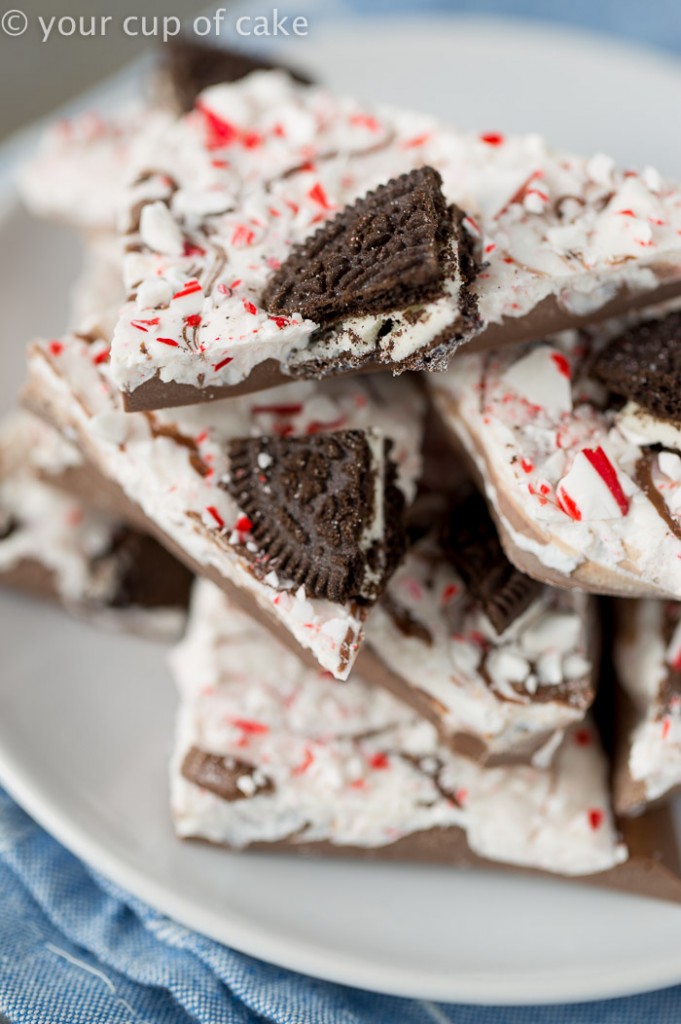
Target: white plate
pixel 85 718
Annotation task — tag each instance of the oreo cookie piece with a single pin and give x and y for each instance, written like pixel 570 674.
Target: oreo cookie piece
pixel 193 67
pixel 390 250
pixel 644 365
pixel 148 576
pixel 325 509
pixel 471 543
pixel 227 777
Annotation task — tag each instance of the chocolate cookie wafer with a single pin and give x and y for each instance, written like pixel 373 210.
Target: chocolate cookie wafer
pixel 471 542
pixel 326 509
pixel 190 67
pixel 643 366
pixel 387 251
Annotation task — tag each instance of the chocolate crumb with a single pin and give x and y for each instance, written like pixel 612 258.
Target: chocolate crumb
pixel 471 542
pixel 644 365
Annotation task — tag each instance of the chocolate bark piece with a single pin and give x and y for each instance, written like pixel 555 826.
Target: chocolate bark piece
pixel 228 777
pixel 387 251
pixel 184 519
pixel 494 698
pixel 513 468
pixel 358 774
pixel 545 319
pixel 54 545
pixel 325 509
pixel 471 542
pixel 644 364
pixel 193 67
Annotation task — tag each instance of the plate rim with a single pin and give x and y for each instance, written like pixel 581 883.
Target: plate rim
pixel 301 955
pixel 306 958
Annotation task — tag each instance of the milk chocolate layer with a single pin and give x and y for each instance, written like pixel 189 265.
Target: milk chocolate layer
pixel 652 869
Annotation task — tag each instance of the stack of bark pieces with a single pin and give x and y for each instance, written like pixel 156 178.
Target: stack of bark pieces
pixel 395 644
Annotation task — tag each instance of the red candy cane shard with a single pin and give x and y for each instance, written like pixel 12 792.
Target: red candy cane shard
pixel 212 511
pixel 605 469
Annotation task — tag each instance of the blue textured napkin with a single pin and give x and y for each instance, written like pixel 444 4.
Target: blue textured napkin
pixel 74 949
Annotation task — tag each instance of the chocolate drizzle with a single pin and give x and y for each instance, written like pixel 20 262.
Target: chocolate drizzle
pixel 160 429
pixel 643 475
pixel 407 623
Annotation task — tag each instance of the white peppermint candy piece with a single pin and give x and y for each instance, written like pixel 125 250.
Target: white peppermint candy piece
pixel 159 231
pixel 600 169
pixel 550 669
pixel 552 631
pixel 506 666
pixel 188 301
pixel 670 465
pixel 542 378
pixel 154 292
pixel 592 488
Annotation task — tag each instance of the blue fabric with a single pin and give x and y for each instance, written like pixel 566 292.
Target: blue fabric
pixel 74 949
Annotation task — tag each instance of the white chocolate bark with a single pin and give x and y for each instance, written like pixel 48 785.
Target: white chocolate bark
pixel 562 472
pixel 259 164
pixel 43 527
pixel 517 691
pixel 648 659
pixel 172 465
pixel 352 766
pixel 79 173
